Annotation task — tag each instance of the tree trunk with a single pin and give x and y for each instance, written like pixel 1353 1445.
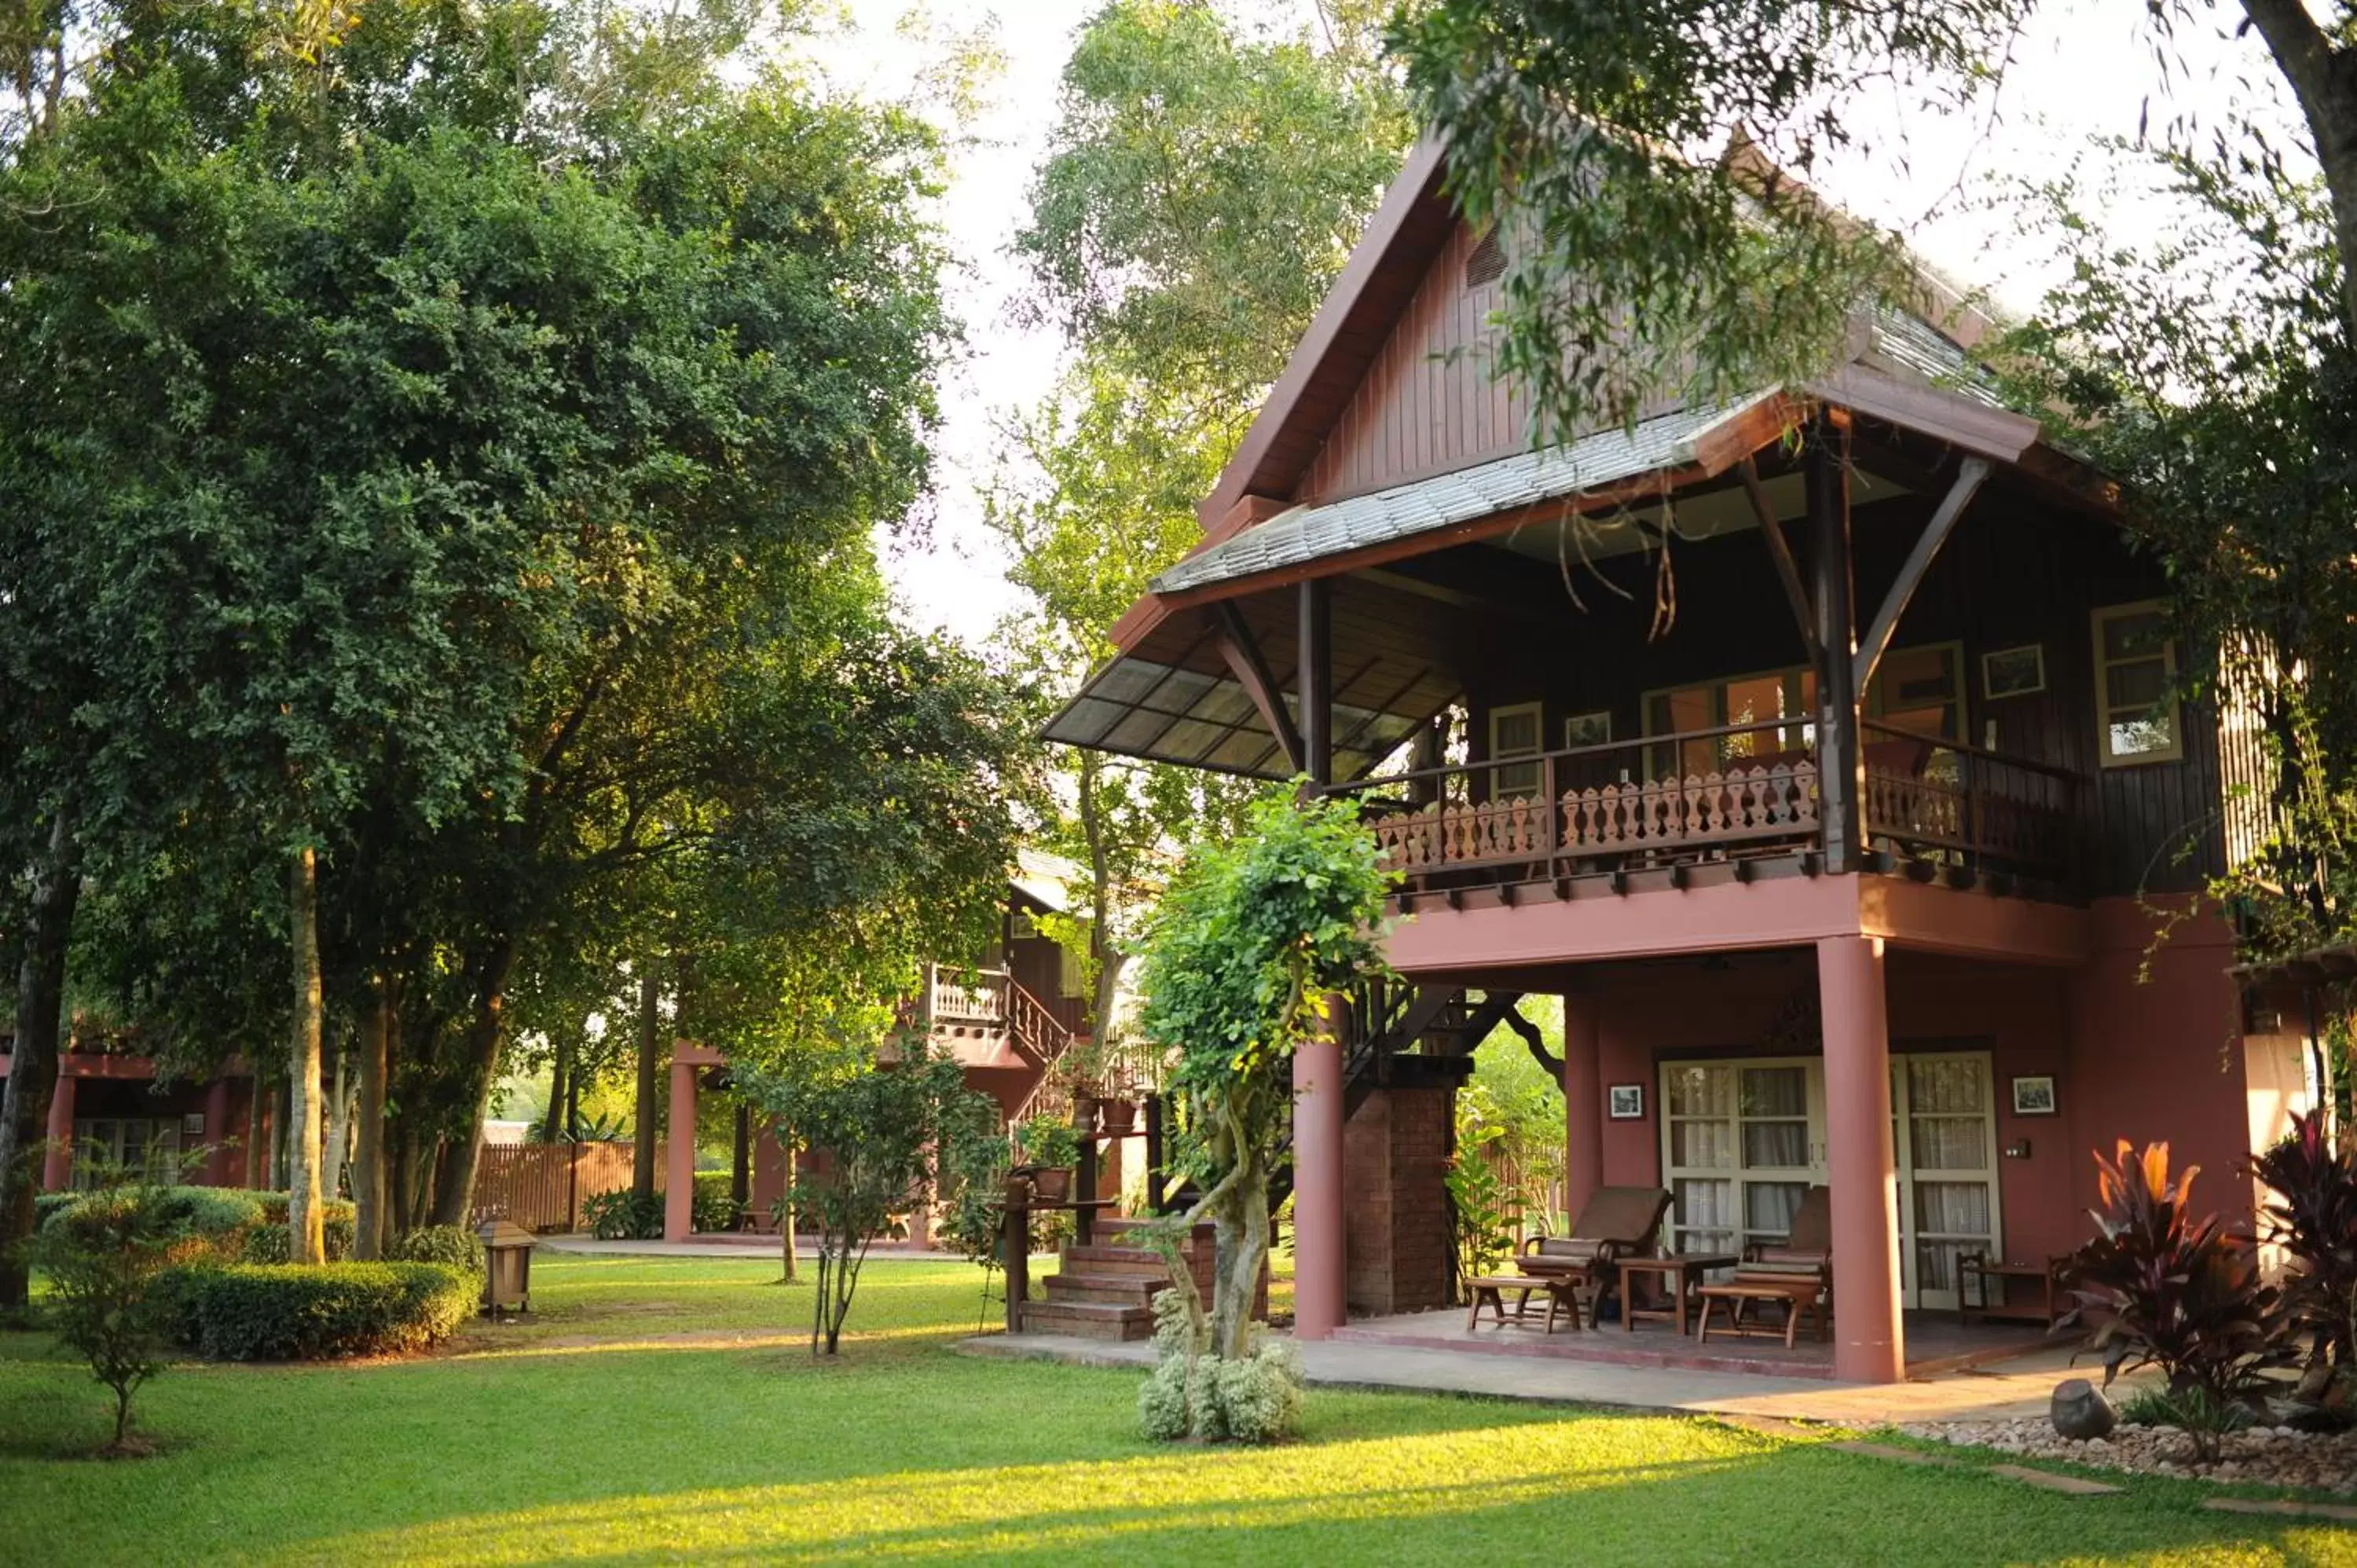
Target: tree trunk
pixel 642 1126
pixel 454 1193
pixel 786 1206
pixel 741 1158
pixel 1241 1231
pixel 368 1228
pixel 553 1125
pixel 33 1068
pixel 305 1242
pixel 2323 78
pixel 258 1149
pixel 335 1148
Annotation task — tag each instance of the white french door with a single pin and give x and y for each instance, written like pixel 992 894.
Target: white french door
pixel 1944 1111
pixel 1742 1140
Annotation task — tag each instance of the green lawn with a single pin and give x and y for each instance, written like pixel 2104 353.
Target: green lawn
pixel 664 1411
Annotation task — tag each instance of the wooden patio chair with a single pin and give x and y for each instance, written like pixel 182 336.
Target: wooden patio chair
pixel 1796 1274
pixel 1615 1223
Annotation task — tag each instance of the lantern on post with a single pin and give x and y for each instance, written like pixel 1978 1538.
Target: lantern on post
pixel 507 1266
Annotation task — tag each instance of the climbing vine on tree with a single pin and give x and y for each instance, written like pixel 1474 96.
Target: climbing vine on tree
pixel 1254 936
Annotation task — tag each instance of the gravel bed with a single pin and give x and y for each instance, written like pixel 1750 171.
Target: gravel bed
pixel 2265 1455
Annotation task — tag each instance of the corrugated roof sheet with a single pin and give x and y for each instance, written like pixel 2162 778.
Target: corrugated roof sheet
pixel 1308 534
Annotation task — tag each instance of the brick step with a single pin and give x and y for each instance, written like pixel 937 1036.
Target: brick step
pixel 1104 1258
pixel 1132 1289
pixel 1088 1319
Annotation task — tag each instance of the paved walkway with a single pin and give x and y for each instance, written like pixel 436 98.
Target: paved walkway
pixel 2021 1388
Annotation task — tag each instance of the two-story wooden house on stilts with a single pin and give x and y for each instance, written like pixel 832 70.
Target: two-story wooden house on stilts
pixel 1847 877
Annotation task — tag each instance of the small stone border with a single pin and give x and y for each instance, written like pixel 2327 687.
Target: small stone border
pixel 2259 1455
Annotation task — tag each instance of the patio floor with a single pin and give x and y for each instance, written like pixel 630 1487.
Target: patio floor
pixel 1936 1343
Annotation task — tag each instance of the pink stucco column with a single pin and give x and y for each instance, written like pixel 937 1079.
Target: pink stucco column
pixel 1583 1103
pixel 1318 1284
pixel 679 1156
pixel 56 1160
pixel 1869 1344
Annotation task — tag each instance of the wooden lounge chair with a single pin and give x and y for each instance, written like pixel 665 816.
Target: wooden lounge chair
pixel 1615 1223
pixel 1796 1274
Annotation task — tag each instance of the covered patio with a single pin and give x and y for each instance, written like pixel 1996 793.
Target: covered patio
pixel 1936 1344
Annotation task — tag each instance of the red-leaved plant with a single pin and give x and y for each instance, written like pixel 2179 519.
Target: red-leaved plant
pixel 2313 1217
pixel 2161 1288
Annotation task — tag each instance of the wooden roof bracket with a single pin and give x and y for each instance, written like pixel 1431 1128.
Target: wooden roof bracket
pixel 1232 636
pixel 1876 641
pixel 1780 550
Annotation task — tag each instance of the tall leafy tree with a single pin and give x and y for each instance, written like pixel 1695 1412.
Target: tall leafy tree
pixel 1203 184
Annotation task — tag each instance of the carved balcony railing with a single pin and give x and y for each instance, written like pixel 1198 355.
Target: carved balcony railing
pixel 1729 792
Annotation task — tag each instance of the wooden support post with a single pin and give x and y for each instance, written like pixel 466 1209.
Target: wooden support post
pixel 1240 651
pixel 1314 676
pixel 1840 761
pixel 1016 1241
pixel 1153 1193
pixel 1084 1178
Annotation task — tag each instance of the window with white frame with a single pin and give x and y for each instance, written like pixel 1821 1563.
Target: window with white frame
pixel 1515 732
pixel 2135 673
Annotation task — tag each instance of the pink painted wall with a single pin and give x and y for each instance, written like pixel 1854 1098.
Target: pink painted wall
pixel 2138 1060
pixel 2161 1060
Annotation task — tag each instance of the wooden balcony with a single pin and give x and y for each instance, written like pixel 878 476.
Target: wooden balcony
pixel 951 999
pixel 1654 802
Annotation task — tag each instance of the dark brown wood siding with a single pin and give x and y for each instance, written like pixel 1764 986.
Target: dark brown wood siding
pixel 1427 403
pixel 2015 572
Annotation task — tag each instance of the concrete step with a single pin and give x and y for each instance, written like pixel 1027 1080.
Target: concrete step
pixel 1105 1258
pixel 1088 1319
pixel 1129 1290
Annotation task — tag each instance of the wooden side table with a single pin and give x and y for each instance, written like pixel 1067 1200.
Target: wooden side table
pixel 1680 1274
pixel 1976 1269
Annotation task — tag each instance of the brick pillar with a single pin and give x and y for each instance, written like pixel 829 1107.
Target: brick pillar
pixel 679 1171
pixel 1319 1249
pixel 1869 1343
pixel 1583 1103
pixel 56 1160
pixel 1395 1162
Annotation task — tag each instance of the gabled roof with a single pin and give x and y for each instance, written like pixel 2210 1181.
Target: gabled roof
pixel 1308 534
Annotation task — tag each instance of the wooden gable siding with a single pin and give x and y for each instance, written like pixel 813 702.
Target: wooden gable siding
pixel 2014 572
pixel 1423 407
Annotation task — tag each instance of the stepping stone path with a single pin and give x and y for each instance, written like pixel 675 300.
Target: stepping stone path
pixel 2071 1486
pixel 1903 1455
pixel 2293 1510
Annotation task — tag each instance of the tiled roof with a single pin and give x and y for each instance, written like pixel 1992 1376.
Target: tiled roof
pixel 1308 534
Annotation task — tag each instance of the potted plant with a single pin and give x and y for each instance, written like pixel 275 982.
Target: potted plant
pixel 1051 1148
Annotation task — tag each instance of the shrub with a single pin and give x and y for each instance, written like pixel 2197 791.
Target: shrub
pixel 715 1208
pixel 1049 1140
pixel 1251 1398
pixel 47 1206
pixel 624 1216
pixel 277 1313
pixel 2172 1291
pixel 454 1246
pixel 269 1243
pixel 103 1256
pixel 2313 1217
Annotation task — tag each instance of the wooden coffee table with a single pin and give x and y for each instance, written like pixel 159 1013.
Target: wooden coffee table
pixel 1976 1269
pixel 1680 1274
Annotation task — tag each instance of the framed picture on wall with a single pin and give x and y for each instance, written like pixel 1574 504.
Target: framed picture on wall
pixel 2034 1096
pixel 2014 671
pixel 1625 1102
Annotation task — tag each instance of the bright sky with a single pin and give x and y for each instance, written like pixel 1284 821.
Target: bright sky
pixel 2079 71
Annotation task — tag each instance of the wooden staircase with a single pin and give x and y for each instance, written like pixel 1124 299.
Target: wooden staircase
pixel 1101 1291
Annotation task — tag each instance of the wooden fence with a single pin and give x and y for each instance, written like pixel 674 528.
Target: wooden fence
pixel 544 1186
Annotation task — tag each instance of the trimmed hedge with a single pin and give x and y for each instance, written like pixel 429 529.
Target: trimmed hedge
pixel 453 1245
pixel 250 1312
pixel 204 1223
